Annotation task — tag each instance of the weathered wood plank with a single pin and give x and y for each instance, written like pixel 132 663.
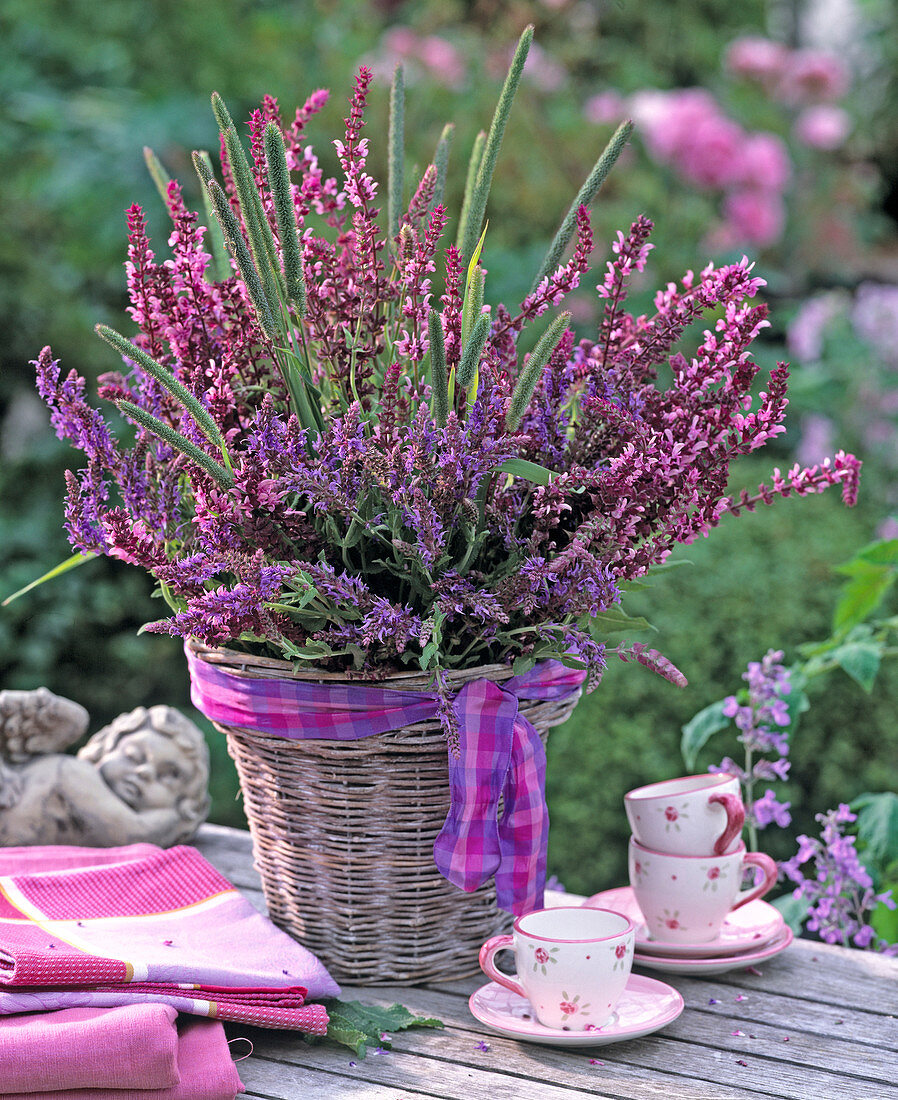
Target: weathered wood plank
pixel 836 1008
pixel 419 1075
pixel 267 1080
pixel 445 1066
pixel 841 977
pixel 697 1029
pixel 791 1014
pixel 638 1070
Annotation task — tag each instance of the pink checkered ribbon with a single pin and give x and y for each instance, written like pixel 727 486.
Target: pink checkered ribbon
pixel 500 755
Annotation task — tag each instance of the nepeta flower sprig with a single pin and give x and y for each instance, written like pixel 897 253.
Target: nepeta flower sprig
pixel 341 455
pixel 836 886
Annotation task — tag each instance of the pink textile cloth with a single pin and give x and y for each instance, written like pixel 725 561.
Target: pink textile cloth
pixel 500 756
pixel 204 1070
pixel 133 1047
pixel 153 926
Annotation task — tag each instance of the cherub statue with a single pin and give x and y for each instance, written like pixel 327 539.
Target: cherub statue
pixel 144 777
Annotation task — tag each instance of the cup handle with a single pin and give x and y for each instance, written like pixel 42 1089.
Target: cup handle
pixel 735 811
pixel 488 953
pixel 767 865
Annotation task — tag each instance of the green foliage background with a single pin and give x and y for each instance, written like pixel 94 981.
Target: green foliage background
pixel 85 87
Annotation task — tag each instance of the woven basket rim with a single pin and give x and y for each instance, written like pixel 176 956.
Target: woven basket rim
pixel 254 667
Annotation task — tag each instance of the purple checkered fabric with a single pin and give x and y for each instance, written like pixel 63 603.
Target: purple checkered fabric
pixel 500 755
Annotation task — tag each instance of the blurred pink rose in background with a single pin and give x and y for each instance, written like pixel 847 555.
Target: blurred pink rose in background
pixel 765 161
pixel 823 127
pixel 431 55
pixel 812 76
pixel 755 216
pixel 758 59
pixel 605 107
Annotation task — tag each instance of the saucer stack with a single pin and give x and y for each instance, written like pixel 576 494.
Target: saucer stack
pixel 749 935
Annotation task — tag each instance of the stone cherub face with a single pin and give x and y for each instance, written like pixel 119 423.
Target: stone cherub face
pixel 144 777
pixel 154 759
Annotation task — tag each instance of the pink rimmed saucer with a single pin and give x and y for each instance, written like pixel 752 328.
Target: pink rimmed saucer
pixel 744 929
pixel 645 1006
pixel 698 968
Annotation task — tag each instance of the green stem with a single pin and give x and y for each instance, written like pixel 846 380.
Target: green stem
pixel 586 194
pixel 441 162
pixel 178 441
pixel 166 379
pixel 477 208
pixel 396 152
pixel 285 215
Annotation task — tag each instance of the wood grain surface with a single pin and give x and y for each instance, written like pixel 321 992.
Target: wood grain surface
pixel 815 1022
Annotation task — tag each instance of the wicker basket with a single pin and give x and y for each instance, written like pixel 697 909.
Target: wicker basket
pixel 343 835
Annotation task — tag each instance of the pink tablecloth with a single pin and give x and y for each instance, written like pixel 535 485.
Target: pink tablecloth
pixel 131 1053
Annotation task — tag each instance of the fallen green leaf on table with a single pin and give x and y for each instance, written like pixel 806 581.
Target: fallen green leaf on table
pixel 356 1025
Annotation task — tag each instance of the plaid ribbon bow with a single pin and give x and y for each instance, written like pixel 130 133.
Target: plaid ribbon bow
pixel 500 755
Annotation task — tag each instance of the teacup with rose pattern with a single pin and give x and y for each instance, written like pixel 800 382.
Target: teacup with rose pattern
pixel 695 815
pixel 572 964
pixel 685 899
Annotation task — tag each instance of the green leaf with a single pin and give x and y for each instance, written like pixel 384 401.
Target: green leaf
pixel 862 594
pixel 877 826
pixel 797 701
pixel 158 174
pixel 881 552
pixel 616 619
pixel 645 581
pixel 475 283
pixel 357 1025
pixel 884 919
pixel 477 207
pixel 699 729
pixel 861 660
pixel 56 571
pixel 529 471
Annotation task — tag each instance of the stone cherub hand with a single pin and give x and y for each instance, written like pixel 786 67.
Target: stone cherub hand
pixel 144 777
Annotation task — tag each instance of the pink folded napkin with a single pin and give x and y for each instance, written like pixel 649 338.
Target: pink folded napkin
pixel 197 1063
pixel 147 926
pixel 133 1047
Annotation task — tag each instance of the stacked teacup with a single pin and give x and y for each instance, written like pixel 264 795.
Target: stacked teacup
pixel 687 859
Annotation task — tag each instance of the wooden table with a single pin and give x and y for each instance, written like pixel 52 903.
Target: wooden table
pixel 816 1022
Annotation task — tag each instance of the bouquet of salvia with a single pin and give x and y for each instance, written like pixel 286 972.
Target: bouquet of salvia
pixel 337 460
